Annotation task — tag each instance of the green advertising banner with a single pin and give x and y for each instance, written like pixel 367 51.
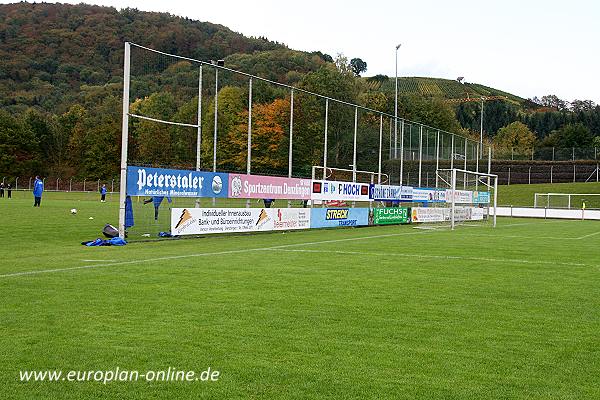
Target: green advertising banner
pixel 391 215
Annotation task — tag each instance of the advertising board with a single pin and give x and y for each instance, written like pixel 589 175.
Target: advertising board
pixel 268 187
pixel 200 221
pixel 390 215
pixel 334 190
pixel 146 181
pixel 336 217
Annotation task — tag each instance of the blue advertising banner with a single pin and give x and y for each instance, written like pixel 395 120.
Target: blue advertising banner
pixel 481 197
pixel 336 217
pixel 390 193
pixel 145 181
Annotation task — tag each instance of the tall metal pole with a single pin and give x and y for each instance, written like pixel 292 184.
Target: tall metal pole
pixel 199 129
pixel 452 152
pixel 465 166
pixel 396 108
pixel 354 141
pixel 390 139
pixel 420 152
pixel 401 150
pixel 481 128
pixel 216 119
pixel 380 148
pixel 249 153
pixel 437 158
pixel 325 144
pixel 290 158
pixel 453 194
pixel 124 139
pixel 214 200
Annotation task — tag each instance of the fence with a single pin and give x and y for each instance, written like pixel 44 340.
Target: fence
pixel 62 184
pixel 548 154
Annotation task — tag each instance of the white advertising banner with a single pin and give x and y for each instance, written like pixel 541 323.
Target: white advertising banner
pixel 429 214
pixel 460 196
pixel 428 195
pixel 334 190
pixel 200 221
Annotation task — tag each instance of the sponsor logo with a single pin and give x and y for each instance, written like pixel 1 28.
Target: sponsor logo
pixel 236 187
pixel 316 187
pixel 336 214
pixel 185 220
pixel 263 218
pixel 217 184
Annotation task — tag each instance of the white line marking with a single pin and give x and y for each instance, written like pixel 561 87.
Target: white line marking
pixel 108 264
pixel 589 235
pixel 99 260
pixel 502 260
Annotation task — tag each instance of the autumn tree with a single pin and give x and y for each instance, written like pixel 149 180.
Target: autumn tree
pixel 514 136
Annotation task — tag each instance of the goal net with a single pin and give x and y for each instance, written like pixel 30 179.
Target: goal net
pixel 461 197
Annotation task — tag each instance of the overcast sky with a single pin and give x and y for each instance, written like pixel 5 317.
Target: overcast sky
pixel 529 48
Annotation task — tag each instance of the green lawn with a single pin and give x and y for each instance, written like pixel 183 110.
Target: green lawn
pixel 522 195
pixel 369 313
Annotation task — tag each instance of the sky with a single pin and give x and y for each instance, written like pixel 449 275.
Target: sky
pixel 525 47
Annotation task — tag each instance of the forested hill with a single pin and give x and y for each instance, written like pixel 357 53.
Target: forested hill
pixel 47 51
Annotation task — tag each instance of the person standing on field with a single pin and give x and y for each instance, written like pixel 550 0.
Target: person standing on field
pixel 1 189
pixel 38 189
pixel 9 190
pixel 103 194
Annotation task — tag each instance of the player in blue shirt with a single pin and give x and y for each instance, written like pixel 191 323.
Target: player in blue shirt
pixel 38 189
pixel 103 191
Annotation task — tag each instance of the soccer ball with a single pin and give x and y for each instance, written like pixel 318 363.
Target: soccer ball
pixel 73 211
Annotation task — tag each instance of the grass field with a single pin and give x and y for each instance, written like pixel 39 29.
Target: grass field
pixel 370 313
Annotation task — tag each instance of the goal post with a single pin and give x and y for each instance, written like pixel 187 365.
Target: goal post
pixel 470 195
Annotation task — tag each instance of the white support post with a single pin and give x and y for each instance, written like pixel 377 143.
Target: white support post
pixel 249 152
pixel 199 129
pixel 216 120
pixel 453 200
pixel 124 139
pixel 354 144
pixel 325 144
pixel 401 150
pixel 495 199
pixel 420 152
pixel 479 155
pixel 380 148
pixel 452 152
pixel 290 158
pixel 465 165
pixel 437 158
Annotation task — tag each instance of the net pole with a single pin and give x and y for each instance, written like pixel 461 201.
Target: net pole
pixel 325 141
pixel 214 200
pixel 437 158
pixel 124 138
pixel 249 153
pixel 453 199
pixel 495 199
pixel 465 165
pixel 354 150
pixel 380 148
pixel 199 129
pixel 452 152
pixel 420 152
pixel 290 159
pixel 401 150
pixel 479 152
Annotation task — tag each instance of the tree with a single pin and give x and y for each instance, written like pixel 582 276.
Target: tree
pixel 570 135
pixel 552 101
pixel 358 66
pixel 514 136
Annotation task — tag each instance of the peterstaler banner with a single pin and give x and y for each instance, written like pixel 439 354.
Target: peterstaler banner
pixel 268 187
pixel 145 181
pixel 390 216
pixel 336 217
pixel 390 193
pixel 333 190
pixel 200 221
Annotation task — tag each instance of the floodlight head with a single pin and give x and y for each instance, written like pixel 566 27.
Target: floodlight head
pixel 398 46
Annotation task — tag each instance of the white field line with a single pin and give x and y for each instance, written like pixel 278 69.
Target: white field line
pixel 428 256
pixel 588 235
pixel 99 260
pixel 108 264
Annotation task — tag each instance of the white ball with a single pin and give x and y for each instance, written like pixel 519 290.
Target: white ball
pixel 73 211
